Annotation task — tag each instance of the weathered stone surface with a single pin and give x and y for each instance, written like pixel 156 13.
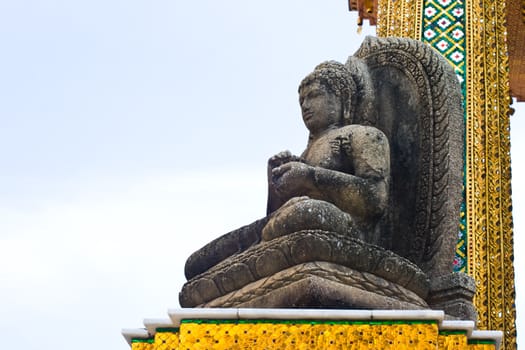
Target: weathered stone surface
pixel 302 213
pixel 269 258
pixel 321 283
pixel 453 293
pixel 221 248
pixel 418 107
pixel 368 213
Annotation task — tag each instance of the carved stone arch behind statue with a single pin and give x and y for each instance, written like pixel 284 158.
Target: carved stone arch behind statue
pixel 418 105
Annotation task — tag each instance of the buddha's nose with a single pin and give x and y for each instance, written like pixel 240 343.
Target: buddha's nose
pixel 305 106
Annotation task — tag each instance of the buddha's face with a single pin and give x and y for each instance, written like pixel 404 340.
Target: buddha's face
pixel 322 110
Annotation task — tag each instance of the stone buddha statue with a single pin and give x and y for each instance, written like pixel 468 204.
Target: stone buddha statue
pixel 341 180
pixel 367 216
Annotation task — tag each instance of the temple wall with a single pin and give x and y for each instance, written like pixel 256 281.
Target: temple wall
pixel 472 36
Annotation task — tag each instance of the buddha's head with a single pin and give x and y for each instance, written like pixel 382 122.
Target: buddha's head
pixel 327 97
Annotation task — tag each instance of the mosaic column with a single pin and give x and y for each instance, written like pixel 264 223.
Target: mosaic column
pixel 471 35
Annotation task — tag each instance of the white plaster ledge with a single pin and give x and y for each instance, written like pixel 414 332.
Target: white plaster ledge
pixel 135 333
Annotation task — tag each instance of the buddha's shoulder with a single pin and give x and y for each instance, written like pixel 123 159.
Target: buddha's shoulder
pixel 356 130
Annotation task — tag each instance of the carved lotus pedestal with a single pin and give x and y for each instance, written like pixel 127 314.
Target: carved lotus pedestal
pixel 314 268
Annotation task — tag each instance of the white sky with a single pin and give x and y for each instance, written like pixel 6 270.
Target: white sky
pixel 132 133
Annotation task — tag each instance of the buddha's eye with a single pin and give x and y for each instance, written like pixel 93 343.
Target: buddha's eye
pixel 315 93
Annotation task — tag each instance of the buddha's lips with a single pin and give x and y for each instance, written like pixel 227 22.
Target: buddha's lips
pixel 308 115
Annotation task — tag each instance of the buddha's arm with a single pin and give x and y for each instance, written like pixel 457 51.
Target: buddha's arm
pixel 364 193
pixel 358 196
pixel 363 197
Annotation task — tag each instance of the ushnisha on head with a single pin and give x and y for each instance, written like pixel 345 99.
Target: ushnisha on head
pixel 335 78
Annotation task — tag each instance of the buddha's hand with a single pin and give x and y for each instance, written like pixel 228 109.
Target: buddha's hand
pixel 282 158
pixel 293 179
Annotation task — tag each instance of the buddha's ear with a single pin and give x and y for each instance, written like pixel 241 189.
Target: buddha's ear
pixel 347 117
